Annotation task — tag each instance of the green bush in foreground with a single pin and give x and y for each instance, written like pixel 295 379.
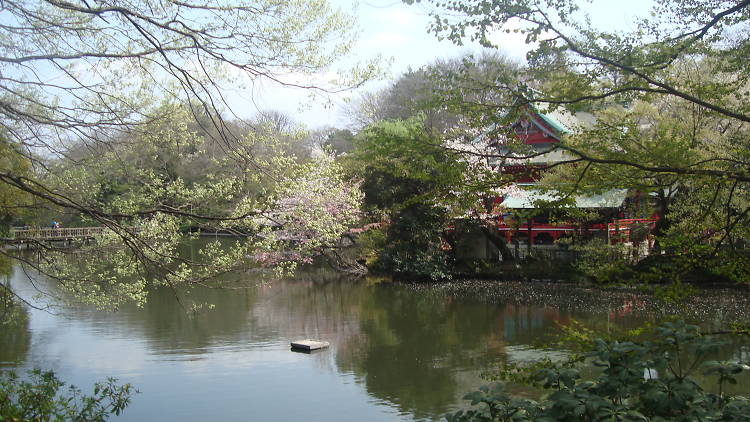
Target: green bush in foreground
pixel 625 390
pixel 39 399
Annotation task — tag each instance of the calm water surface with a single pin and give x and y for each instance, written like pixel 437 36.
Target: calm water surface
pixel 398 352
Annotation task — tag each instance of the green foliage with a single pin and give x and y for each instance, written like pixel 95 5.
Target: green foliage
pixel 702 221
pixel 41 398
pixel 409 177
pixel 339 141
pixel 602 262
pixel 413 244
pixel 403 164
pixel 127 132
pixel 709 234
pixel 370 244
pixel 663 107
pixel 638 381
pixel 158 190
pixel 14 203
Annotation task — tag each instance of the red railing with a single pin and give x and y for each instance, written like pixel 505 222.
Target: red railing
pixel 545 232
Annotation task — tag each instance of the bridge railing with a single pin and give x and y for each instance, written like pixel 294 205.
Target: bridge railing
pixel 50 233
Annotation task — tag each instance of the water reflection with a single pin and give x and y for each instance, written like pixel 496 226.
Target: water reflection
pixel 15 336
pixel 14 320
pixel 398 352
pixel 410 345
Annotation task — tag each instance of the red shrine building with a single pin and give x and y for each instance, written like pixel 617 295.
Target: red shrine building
pixel 520 218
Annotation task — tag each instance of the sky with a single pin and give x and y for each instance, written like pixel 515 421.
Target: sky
pixel 399 33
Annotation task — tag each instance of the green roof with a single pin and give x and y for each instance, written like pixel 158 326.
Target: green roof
pixel 559 127
pixel 525 199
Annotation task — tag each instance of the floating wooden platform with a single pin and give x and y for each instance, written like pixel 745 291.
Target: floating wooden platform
pixel 309 345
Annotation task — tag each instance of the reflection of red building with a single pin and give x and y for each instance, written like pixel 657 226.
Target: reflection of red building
pixel 525 158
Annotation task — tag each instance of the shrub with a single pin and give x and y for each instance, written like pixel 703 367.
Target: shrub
pixel 639 381
pixel 603 263
pixel 413 248
pixel 39 399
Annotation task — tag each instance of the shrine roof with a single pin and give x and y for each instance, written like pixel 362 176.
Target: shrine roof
pixel 527 199
pixel 552 122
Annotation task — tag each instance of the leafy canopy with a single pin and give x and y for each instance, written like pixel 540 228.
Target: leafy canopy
pixel 663 108
pixel 120 109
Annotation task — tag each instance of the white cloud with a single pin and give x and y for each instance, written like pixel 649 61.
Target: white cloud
pixel 382 39
pixel 401 16
pixel 509 42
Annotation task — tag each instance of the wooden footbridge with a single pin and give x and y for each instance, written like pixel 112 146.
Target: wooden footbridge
pixel 21 234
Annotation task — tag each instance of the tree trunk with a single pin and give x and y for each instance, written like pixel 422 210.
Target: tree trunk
pixel 662 224
pixel 344 264
pixel 451 241
pixel 529 235
pixel 499 243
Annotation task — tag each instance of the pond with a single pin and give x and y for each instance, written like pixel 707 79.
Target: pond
pixel 399 352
